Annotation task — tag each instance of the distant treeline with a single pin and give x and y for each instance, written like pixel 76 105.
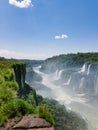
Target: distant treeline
pixel 70 60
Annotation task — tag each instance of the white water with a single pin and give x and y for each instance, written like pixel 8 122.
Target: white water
pixel 96 86
pixel 58 74
pixel 83 69
pixel 57 91
pixel 46 78
pixel 81 82
pixel 88 70
pixel 22 84
pixel 68 82
pixel 74 102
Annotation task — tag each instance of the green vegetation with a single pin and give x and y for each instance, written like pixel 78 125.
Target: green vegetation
pixel 1 79
pixel 6 95
pixel 16 97
pixel 70 60
pixel 17 107
pixel 10 84
pixel 32 97
pixel 43 112
pixel 6 73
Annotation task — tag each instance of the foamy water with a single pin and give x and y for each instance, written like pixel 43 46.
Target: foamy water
pixel 76 102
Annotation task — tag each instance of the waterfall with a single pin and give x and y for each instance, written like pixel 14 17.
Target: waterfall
pixel 68 82
pixel 88 70
pixel 96 86
pixel 57 91
pixel 81 82
pixel 46 78
pixel 76 103
pixel 22 82
pixel 57 75
pixel 83 69
pixel 14 77
pixel 36 69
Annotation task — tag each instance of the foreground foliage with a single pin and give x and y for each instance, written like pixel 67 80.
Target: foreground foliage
pixel 13 102
pixel 43 112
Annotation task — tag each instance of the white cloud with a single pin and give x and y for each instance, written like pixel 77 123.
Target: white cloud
pixel 63 36
pixel 19 55
pixel 21 4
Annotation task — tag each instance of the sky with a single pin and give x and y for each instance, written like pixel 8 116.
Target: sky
pixel 38 29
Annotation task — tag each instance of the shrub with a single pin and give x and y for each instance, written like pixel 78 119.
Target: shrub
pixel 8 75
pixel 32 97
pixel 1 79
pixel 10 84
pixel 6 94
pixel 17 107
pixel 2 119
pixel 2 116
pixel 43 112
pixel 7 91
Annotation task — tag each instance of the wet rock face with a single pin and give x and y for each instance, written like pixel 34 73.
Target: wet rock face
pixel 27 123
pixel 20 72
pixel 19 77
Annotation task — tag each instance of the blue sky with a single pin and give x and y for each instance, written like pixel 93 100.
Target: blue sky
pixel 37 29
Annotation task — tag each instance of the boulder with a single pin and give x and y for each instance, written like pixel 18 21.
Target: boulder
pixel 30 121
pixel 51 128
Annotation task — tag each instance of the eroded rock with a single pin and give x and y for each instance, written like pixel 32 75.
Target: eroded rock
pixel 28 122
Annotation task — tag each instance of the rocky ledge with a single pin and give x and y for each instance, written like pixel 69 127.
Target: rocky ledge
pixel 27 123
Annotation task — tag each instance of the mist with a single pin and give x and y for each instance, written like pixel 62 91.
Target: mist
pixel 75 87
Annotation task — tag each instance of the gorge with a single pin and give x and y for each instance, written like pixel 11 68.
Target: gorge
pixel 73 84
pixel 62 89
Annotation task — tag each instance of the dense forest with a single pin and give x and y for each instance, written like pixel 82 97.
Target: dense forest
pixel 70 60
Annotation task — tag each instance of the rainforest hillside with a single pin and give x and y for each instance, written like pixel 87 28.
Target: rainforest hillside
pixel 70 60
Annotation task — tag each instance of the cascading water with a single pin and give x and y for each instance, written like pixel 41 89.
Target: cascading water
pixel 88 70
pixel 68 82
pixel 96 86
pixel 81 82
pixel 57 92
pixel 83 69
pixel 76 102
pixel 22 83
pixel 45 78
pixel 58 74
